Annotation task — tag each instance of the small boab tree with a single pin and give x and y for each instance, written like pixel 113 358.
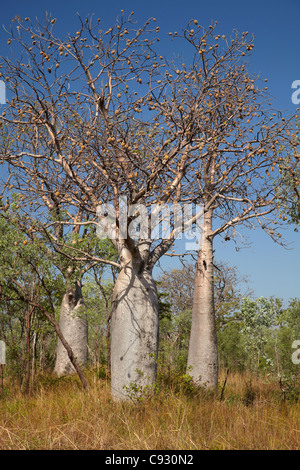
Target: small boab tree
pixel 108 122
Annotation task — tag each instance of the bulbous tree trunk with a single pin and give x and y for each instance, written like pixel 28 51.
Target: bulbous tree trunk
pixel 203 352
pixel 134 331
pixel 74 328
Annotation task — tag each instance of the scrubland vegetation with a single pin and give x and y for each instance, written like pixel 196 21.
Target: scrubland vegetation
pixel 60 415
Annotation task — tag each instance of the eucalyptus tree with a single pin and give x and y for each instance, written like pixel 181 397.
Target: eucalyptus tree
pixel 230 287
pixel 112 128
pixel 258 316
pixel 288 182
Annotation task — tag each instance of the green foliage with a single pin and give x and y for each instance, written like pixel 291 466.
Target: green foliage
pixel 231 347
pixel 174 339
pixel 171 378
pixel 177 290
pixel 27 275
pixel 261 341
pixel 34 276
pixel 288 184
pixel 164 307
pixel 253 334
pixel 138 393
pixel 257 338
pixel 258 317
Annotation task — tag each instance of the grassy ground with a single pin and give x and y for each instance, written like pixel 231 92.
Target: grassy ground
pixel 59 415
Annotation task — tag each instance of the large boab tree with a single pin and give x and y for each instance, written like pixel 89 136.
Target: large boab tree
pixel 102 116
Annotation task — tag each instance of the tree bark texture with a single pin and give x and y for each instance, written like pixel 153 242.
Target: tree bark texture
pixel 74 328
pixel 203 353
pixel 134 332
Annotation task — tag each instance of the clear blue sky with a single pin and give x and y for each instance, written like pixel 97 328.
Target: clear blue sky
pixel 275 23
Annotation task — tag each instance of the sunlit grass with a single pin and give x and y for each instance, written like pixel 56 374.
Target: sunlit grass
pixel 60 415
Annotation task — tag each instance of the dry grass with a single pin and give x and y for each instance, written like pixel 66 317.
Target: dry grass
pixel 59 415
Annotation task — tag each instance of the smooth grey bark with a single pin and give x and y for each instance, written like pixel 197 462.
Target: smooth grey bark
pixel 74 328
pixel 203 351
pixel 134 330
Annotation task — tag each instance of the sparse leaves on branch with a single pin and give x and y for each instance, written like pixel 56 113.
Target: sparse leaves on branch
pixel 101 113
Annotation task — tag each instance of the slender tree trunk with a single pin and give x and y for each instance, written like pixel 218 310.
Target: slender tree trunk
pixel 41 354
pixel 1 379
pixel 74 328
pixel 34 344
pixel 28 344
pixel 203 352
pixel 108 343
pixel 134 332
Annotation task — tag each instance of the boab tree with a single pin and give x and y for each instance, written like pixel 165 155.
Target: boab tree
pixel 63 136
pixel 112 122
pixel 240 139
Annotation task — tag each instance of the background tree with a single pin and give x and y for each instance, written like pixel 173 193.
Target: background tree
pixel 61 246
pixel 258 317
pixel 288 182
pixel 287 330
pixel 230 287
pixel 177 286
pixel 29 291
pixel 31 287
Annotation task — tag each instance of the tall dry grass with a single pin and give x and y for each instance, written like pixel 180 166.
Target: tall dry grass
pixel 59 415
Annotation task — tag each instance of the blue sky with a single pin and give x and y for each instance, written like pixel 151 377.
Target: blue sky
pixel 272 270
